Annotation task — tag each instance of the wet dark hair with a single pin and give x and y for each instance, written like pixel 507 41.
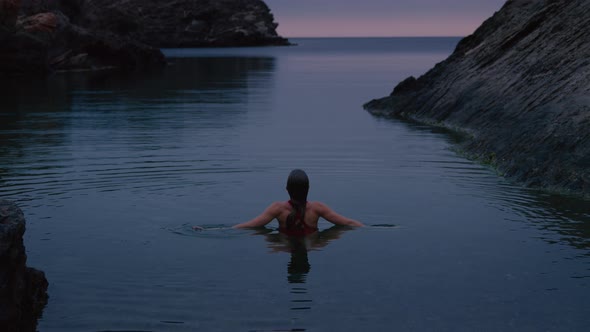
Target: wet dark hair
pixel 297 187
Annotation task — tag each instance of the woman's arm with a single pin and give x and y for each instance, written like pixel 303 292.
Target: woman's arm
pixel 330 215
pixel 264 218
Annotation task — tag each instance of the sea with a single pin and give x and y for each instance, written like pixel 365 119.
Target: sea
pixel 113 170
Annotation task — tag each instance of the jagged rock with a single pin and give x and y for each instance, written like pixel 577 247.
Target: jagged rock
pixel 519 88
pixel 172 23
pixel 8 14
pixel 96 34
pixel 182 23
pixel 42 22
pixel 23 290
pixel 75 47
pixel 48 41
pixel 23 52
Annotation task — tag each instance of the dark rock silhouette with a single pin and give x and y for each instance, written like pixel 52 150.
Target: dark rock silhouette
pixel 183 23
pixel 97 34
pixel 8 14
pixel 23 290
pixel 519 89
pixel 171 23
pixel 47 41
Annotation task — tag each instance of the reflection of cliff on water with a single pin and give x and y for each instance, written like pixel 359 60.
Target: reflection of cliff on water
pixel 190 81
pixel 25 117
pixel 43 106
pixel 49 123
pixel 562 218
pixel 224 80
pixel 565 219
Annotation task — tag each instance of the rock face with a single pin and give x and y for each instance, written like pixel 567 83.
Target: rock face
pixel 172 23
pixel 23 290
pixel 519 87
pixel 186 23
pixel 8 15
pixel 94 34
pixel 46 41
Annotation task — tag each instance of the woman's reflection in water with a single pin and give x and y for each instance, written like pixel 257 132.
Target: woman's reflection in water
pixel 299 266
pixel 299 246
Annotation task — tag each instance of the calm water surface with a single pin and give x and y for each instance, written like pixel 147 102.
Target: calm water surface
pixel 113 170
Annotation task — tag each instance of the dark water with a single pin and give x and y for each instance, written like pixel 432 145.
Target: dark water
pixel 113 170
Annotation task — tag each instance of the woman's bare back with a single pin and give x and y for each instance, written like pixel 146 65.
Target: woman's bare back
pixel 313 212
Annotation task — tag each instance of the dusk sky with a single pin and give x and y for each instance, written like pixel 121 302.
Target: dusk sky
pixel 354 18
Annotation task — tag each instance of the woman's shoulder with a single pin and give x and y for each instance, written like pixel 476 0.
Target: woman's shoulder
pixel 316 205
pixel 280 205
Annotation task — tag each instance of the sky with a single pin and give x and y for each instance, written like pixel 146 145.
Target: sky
pixel 380 18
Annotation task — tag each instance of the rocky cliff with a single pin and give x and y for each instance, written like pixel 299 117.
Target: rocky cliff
pixel 185 23
pixel 45 35
pixel 48 40
pixel 23 290
pixel 172 23
pixel 519 88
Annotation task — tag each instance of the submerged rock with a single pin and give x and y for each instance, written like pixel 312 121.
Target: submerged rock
pixel 519 87
pixel 23 290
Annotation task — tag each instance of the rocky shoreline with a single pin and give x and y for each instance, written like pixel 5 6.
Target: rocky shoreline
pixel 23 290
pixel 42 36
pixel 518 88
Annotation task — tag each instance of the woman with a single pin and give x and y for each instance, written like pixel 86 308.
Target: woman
pixel 297 216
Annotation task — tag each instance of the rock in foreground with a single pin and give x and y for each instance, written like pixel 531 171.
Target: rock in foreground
pixel 520 88
pixel 23 290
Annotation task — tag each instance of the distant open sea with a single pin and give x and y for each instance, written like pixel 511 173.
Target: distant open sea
pixel 112 170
